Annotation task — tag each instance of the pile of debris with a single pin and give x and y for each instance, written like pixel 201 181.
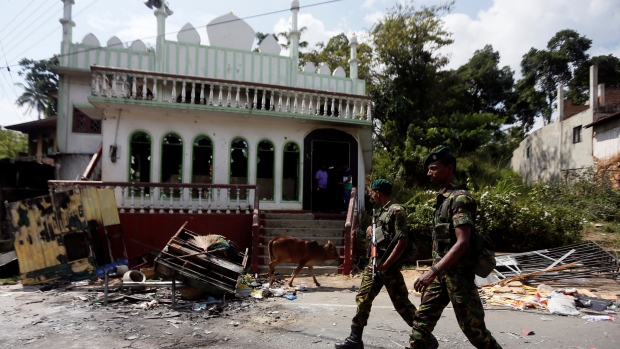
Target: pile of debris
pixel 562 301
pixel 507 287
pixel 260 288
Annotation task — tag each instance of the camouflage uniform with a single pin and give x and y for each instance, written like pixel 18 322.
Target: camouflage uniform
pixel 394 222
pixel 455 284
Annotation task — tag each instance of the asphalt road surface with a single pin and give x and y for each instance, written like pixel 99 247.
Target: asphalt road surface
pixel 318 318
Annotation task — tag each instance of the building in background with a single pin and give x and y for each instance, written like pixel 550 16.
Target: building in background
pixel 585 137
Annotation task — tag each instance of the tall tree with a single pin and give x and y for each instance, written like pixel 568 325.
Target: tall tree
pixel 545 70
pixel 40 80
pixel 488 88
pixel 407 42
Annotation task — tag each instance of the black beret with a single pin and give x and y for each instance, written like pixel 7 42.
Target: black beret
pixel 382 185
pixel 439 154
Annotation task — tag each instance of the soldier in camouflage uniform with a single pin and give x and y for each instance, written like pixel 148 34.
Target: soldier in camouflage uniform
pixel 451 278
pixel 392 220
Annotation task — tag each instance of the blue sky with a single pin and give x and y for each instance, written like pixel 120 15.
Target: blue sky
pixel 30 28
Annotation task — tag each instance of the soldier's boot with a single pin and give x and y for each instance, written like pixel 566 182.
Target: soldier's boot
pixel 354 341
pixel 432 343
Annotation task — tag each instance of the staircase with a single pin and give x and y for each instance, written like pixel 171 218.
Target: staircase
pixel 301 225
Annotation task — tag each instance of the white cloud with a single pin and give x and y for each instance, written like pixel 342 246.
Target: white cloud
pixel 513 27
pixel 372 18
pixel 316 29
pixel 368 3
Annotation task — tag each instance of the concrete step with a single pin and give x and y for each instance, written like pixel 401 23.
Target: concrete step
pixel 303 223
pixel 305 233
pixel 287 270
pixel 263 259
pixel 280 215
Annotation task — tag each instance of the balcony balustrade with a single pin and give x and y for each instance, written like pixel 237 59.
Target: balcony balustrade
pixel 170 198
pixel 145 86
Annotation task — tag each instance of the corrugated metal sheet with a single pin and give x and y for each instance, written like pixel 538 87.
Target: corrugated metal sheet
pixel 107 203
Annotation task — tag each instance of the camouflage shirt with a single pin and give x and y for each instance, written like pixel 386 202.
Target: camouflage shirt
pixel 461 210
pixel 393 221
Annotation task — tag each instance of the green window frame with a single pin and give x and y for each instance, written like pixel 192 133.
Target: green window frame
pixel 291 164
pixel 171 160
pixel 202 162
pixel 140 155
pixel 265 170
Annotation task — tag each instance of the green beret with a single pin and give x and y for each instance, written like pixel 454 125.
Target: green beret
pixel 383 185
pixel 439 154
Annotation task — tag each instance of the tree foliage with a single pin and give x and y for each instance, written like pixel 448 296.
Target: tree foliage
pixel 12 143
pixel 418 105
pixel 545 70
pixel 40 80
pixel 608 74
pixel 337 53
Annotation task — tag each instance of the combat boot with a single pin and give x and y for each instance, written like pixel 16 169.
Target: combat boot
pixel 432 343
pixel 354 341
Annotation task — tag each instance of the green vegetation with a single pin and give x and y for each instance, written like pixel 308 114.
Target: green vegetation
pixel 12 143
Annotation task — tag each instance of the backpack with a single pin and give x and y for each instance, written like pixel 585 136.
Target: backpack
pixel 482 250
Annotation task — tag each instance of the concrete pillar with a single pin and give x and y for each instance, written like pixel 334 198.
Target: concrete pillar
pixel 593 86
pixel 294 47
pixel 560 103
pixel 601 95
pixel 39 147
pixel 67 31
pixel 353 61
pixel 161 15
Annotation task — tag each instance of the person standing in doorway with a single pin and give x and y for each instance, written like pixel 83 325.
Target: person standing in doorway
pixel 451 277
pixel 347 184
pixel 321 177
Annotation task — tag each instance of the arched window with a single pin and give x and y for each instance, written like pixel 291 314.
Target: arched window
pixel 202 162
pixel 140 157
pixel 239 161
pixel 290 172
pixel 265 161
pixel 172 159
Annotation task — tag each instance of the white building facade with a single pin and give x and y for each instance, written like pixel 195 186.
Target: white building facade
pixel 219 114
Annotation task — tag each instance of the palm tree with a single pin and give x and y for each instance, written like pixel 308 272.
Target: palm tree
pixel 34 101
pixel 40 80
pixel 287 37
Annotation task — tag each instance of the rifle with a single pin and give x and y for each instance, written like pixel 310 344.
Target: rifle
pixel 374 243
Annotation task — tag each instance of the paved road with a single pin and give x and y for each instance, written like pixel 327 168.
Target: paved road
pixel 316 319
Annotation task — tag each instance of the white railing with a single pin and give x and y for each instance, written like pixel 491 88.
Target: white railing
pixel 141 85
pixel 169 198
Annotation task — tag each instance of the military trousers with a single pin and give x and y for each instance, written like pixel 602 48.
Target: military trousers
pixel 454 285
pixel 394 283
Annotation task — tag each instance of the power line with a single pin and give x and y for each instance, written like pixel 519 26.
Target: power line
pixel 33 30
pixel 7 63
pixel 14 18
pixel 31 22
pixel 7 81
pixel 3 90
pixel 45 37
pixel 149 37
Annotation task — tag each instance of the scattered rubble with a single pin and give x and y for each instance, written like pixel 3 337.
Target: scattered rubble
pixel 568 301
